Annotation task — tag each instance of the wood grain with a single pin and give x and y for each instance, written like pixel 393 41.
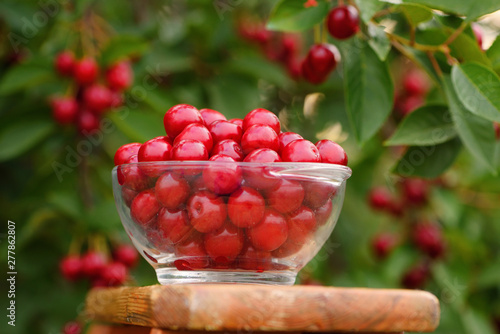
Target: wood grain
pixel 266 308
pixel 125 329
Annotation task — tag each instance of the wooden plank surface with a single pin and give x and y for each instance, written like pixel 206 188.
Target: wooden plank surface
pixel 118 329
pixel 266 308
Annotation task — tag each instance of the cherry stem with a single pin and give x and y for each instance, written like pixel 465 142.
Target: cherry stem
pixel 317 34
pixel 434 63
pixel 455 34
pixel 75 245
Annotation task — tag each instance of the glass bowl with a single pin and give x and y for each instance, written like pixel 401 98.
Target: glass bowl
pixel 228 222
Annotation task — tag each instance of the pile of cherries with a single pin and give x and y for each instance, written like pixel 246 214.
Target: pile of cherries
pixel 223 214
pixel 97 268
pixel 424 234
pixel 90 98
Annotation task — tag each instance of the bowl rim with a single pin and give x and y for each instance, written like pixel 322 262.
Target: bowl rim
pixel 340 170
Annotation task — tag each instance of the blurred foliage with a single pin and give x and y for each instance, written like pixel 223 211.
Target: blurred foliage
pixel 191 52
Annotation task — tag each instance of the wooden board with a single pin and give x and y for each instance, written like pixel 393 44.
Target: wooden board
pixel 227 307
pixel 126 329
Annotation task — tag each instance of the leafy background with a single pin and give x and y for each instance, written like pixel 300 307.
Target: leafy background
pixel 191 52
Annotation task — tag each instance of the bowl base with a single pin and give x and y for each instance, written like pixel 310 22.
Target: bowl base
pixel 174 276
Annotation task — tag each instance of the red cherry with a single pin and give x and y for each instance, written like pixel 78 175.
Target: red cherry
pixel 251 258
pixel 237 121
pixel 207 212
pixel 230 148
pixel 322 58
pixel 380 198
pixel 301 223
pixel 196 131
pixel 210 116
pixel 198 184
pixel 496 126
pixel 120 76
pixel 260 177
pixel 300 150
pixel 173 225
pixel 156 149
pixel 97 98
pixel 144 208
pixel 114 274
pixel 191 253
pixel 128 195
pixel 318 193
pixel 343 22
pixel 331 152
pixel 86 71
pixel 270 233
pixel 246 207
pixel 64 109
pixel 64 63
pixel 286 197
pixel 310 75
pixel 415 191
pixel 180 116
pixel 324 212
pixel 93 263
pixel 224 244
pixel 71 267
pixel 172 190
pixel 72 327
pixel 415 82
pixel 87 121
pixel 221 130
pixel 126 254
pixel 286 137
pixel 259 136
pixel 383 244
pixel 124 153
pixel 262 117
pixel 130 175
pixel 409 103
pixel 416 277
pixel 222 179
pixel 428 237
pixel 189 150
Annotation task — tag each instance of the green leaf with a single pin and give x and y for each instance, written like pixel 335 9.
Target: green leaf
pixel 493 54
pixel 379 41
pixel 24 76
pixel 478 88
pixel 138 125
pixel 465 48
pixel 368 89
pixel 368 8
pixel 475 322
pixel 429 125
pixel 233 95
pixel 22 136
pixel 123 46
pixel 259 68
pixel 291 15
pixel 416 13
pixel 470 9
pixel 477 134
pixel 428 161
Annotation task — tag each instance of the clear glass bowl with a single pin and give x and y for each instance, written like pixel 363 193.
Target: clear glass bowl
pixel 228 222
